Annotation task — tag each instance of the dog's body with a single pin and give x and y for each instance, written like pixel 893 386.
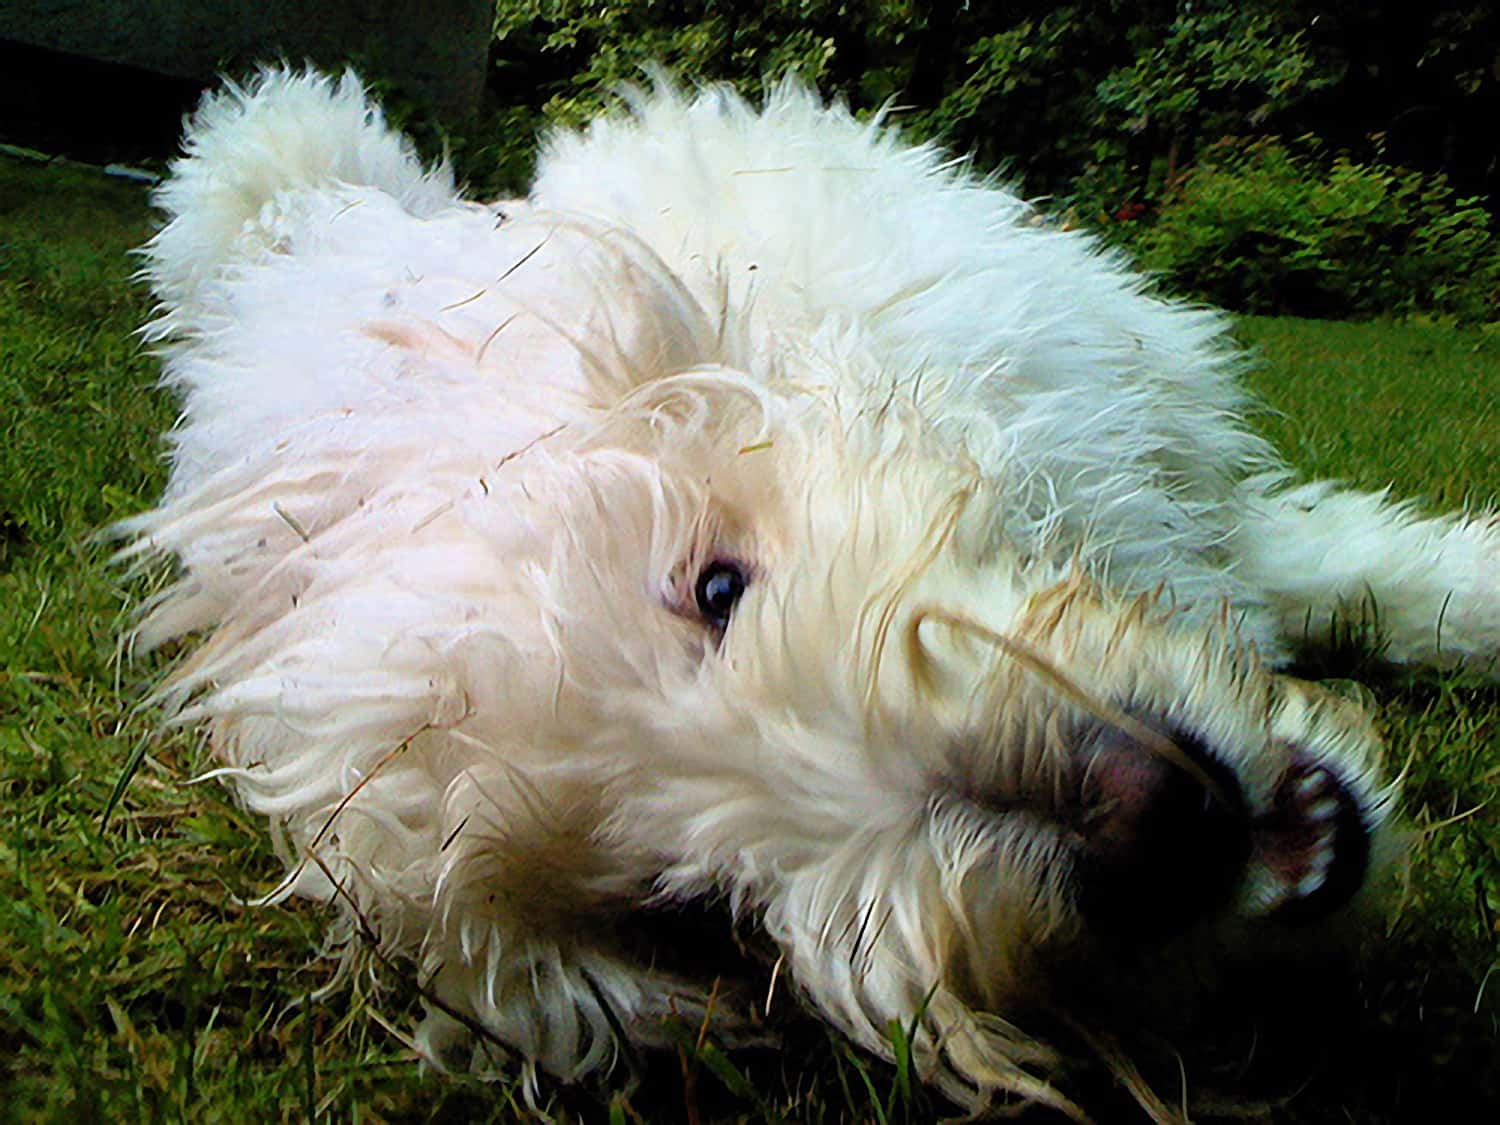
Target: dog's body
pixel 762 509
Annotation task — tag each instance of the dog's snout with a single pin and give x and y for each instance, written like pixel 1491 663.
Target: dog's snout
pixel 1160 845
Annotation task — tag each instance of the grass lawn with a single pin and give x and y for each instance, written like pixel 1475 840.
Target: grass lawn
pixel 134 987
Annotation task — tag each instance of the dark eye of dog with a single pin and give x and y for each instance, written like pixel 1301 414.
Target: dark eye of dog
pixel 718 587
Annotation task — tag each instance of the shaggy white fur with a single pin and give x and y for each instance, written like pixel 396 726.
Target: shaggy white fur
pixel 764 509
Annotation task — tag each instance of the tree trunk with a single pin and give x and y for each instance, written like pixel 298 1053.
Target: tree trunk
pixel 928 80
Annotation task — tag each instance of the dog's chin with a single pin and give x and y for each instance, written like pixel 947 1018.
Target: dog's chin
pixel 1184 894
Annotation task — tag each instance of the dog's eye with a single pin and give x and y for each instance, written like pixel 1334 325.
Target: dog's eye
pixel 718 587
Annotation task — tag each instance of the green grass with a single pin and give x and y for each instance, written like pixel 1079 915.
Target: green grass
pixel 1414 407
pixel 133 986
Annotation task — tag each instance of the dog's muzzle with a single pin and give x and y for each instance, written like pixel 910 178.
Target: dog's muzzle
pixel 1159 847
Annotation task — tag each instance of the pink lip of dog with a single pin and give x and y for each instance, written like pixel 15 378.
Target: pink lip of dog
pixel 764 509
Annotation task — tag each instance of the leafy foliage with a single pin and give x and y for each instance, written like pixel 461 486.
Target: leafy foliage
pixel 558 62
pixel 1270 228
pixel 1016 84
pixel 608 44
pixel 1217 65
pixel 1109 108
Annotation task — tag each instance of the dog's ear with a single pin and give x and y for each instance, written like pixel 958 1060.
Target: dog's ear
pixel 284 130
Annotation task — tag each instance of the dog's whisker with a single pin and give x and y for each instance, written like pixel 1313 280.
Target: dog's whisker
pixel 939 534
pixel 494 334
pixel 1026 655
pixel 771 984
pixel 448 840
pixel 354 790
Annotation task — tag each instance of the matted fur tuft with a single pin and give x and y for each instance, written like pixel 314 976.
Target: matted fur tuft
pixel 764 510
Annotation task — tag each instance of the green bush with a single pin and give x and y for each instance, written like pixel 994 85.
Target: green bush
pixel 1264 228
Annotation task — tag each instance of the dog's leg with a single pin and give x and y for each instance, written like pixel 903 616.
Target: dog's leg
pixel 1329 559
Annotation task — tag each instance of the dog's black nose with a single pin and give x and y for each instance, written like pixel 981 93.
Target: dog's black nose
pixel 1161 845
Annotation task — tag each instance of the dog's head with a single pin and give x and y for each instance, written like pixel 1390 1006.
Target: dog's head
pixel 505 675
pixel 778 647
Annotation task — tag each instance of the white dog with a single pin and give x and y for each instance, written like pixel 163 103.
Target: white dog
pixel 764 509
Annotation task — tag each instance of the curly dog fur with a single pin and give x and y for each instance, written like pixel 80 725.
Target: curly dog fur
pixel 764 509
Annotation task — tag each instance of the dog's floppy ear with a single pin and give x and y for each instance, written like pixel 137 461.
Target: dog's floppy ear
pixel 282 131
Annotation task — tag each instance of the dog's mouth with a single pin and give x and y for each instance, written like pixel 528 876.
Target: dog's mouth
pixel 1161 844
pixel 1313 842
